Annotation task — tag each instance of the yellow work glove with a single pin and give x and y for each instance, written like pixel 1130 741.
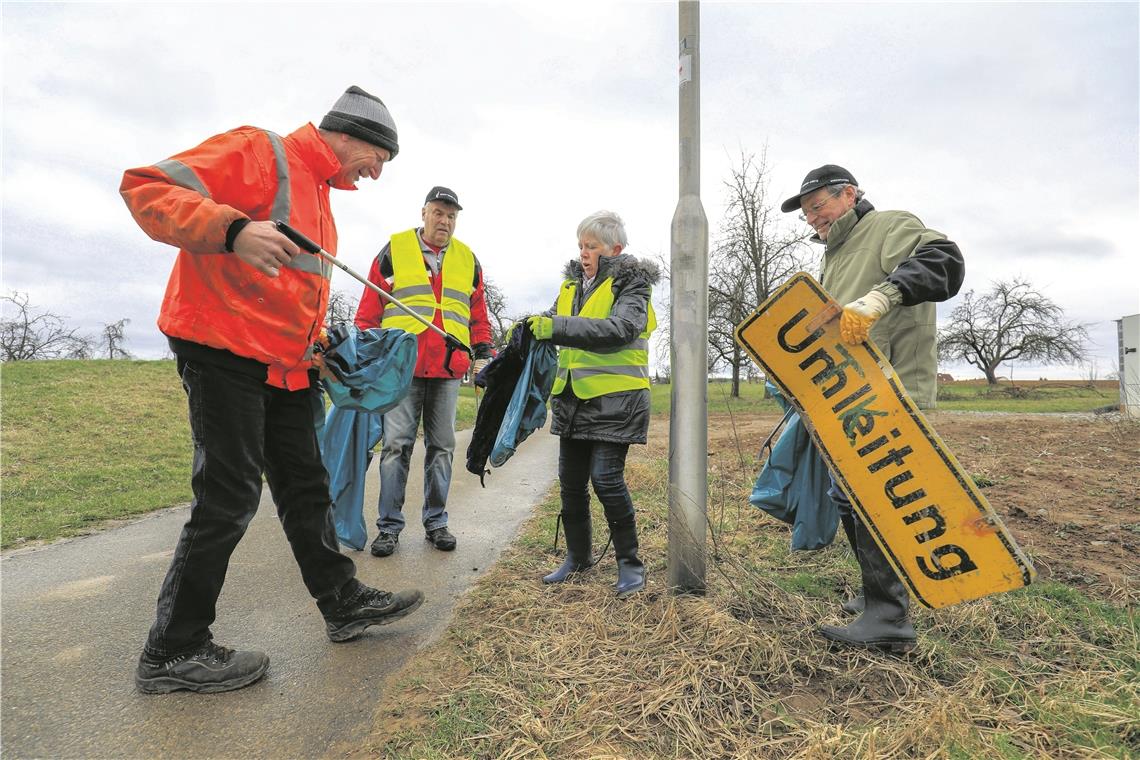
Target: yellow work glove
pixel 541 327
pixel 478 365
pixel 858 316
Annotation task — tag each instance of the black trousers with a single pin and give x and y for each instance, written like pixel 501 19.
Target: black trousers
pixel 581 463
pixel 242 428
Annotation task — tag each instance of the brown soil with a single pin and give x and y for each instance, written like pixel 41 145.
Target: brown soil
pixel 1067 486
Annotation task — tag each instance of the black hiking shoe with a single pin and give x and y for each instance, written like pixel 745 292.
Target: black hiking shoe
pixel 441 539
pixel 368 606
pixel 384 545
pixel 212 668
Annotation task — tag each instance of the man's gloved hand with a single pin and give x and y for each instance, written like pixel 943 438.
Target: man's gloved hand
pixel 858 316
pixel 478 365
pixel 541 327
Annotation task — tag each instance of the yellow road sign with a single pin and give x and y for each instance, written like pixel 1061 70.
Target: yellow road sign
pixel 932 522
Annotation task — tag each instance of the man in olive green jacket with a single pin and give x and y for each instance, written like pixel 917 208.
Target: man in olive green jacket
pixel 889 269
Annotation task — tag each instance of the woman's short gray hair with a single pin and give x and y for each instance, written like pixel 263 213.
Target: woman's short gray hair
pixel 606 226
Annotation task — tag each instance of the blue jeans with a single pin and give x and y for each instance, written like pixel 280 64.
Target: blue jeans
pixel 434 400
pixel 242 427
pixel 601 463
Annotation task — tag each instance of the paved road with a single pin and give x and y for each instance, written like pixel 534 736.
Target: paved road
pixel 75 615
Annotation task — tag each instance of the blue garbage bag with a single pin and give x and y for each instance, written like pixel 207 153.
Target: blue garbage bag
pixel 373 367
pixel 347 439
pixel 526 411
pixel 793 484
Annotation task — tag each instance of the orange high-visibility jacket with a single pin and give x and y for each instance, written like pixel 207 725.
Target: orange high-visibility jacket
pixel 213 297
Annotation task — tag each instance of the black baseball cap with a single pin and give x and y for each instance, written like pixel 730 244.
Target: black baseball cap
pixel 824 176
pixel 443 194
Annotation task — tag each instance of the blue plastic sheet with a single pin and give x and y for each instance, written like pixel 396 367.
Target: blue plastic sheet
pixel 347 440
pixel 793 484
pixel 373 367
pixel 526 411
pixel 374 371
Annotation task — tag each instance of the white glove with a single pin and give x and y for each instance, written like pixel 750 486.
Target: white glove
pixel 478 365
pixel 858 316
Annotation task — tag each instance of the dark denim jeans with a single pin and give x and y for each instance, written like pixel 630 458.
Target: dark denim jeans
pixel 434 400
pixel 601 463
pixel 242 427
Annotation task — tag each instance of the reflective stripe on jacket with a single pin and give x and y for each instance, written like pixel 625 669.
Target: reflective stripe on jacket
pixel 594 373
pixel 412 287
pixel 213 297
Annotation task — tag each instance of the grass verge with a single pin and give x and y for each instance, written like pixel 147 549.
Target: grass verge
pixel 85 442
pixel 568 671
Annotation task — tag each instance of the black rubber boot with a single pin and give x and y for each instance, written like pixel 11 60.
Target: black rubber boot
pixel 631 571
pixel 855 604
pixel 578 550
pixel 884 623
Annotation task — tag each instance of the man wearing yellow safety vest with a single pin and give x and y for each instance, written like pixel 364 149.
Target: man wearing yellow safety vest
pixel 602 320
pixel 438 277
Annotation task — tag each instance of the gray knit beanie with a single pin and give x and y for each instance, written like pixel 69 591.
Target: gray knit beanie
pixel 364 117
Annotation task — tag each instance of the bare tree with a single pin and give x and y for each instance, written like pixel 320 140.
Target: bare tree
pixel 496 311
pixel 114 338
pixel 1011 321
pixel 28 334
pixel 753 256
pixel 342 308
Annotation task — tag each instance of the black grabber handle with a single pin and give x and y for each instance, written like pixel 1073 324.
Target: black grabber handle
pixel 453 344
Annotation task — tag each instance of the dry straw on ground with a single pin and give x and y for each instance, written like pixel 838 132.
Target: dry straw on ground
pixel 568 671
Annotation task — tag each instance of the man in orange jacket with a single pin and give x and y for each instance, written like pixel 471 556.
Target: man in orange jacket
pixel 242 309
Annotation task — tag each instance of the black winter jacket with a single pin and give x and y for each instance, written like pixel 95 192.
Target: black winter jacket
pixel 621 417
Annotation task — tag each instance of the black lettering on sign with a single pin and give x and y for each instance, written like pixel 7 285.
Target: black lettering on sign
pixel 940 573
pixel 929 512
pixel 860 419
pixel 894 456
pixel 901 501
pixel 831 369
pixel 782 334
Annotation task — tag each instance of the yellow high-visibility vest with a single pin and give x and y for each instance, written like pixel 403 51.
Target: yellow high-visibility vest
pixel 591 373
pixel 411 286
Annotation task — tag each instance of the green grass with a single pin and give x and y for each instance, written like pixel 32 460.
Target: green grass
pixel 89 441
pixel 972 396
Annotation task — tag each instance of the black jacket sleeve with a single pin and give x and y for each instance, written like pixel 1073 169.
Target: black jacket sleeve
pixel 933 273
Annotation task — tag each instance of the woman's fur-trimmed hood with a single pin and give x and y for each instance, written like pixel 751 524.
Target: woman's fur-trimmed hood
pixel 624 268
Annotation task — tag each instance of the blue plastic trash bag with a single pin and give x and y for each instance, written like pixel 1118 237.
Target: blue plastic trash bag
pixel 792 486
pixel 347 439
pixel 373 367
pixel 526 411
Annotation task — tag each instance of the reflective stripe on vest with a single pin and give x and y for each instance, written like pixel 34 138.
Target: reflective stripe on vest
pixel 412 287
pixel 183 176
pixel 595 373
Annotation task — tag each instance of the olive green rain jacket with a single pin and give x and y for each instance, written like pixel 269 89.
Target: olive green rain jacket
pixel 914 266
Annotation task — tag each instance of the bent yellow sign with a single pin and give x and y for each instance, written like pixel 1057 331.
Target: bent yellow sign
pixel 939 532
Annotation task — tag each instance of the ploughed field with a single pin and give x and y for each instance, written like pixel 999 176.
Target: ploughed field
pixel 1067 486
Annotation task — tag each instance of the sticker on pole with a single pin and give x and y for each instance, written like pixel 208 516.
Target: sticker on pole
pixel 935 527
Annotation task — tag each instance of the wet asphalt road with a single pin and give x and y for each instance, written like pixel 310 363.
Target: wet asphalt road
pixel 74 616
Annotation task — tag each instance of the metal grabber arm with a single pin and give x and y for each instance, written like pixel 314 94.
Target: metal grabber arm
pixel 453 344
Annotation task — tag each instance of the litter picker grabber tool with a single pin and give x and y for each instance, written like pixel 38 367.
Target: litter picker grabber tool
pixel 453 344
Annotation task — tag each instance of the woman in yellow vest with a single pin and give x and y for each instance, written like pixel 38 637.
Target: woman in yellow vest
pixel 602 320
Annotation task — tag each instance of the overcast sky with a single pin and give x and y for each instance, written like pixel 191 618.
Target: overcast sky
pixel 1011 128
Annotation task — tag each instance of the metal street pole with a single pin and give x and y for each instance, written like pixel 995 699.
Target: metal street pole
pixel 689 305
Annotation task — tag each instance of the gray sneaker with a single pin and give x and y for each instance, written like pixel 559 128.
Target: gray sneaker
pixel 212 668
pixel 385 544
